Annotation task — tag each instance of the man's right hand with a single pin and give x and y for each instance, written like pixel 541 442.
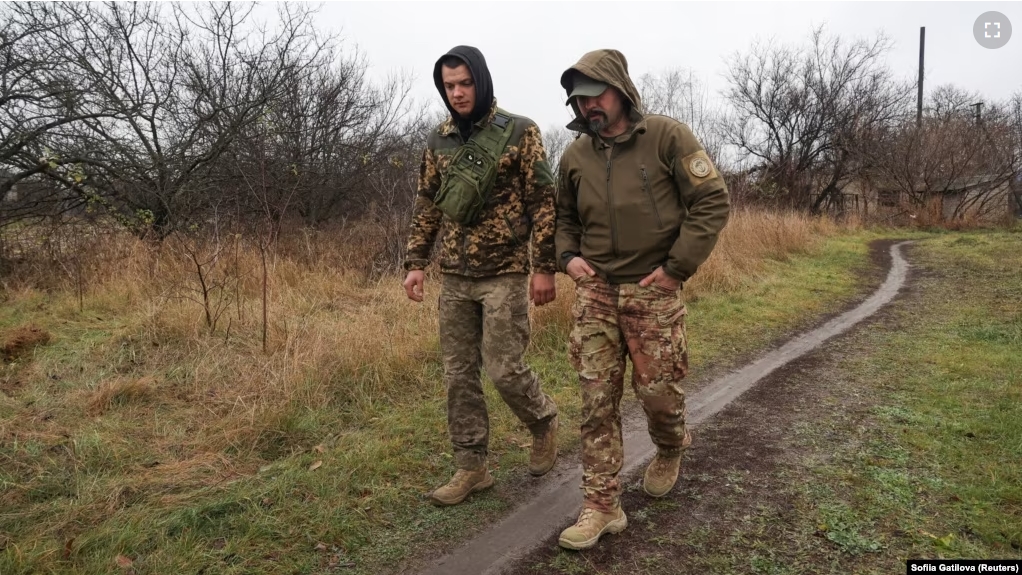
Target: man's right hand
pixel 577 268
pixel 413 284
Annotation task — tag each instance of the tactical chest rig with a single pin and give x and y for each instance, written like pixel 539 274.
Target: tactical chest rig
pixel 466 185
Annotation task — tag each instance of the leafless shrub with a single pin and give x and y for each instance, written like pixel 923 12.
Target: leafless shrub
pixel 801 114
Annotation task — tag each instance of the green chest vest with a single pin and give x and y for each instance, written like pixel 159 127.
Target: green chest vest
pixel 466 184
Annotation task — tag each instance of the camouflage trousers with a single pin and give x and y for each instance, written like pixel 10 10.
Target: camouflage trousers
pixel 646 324
pixel 484 324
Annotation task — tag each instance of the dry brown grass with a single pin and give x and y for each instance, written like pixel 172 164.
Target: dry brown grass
pixel 752 237
pixel 138 405
pixel 121 391
pixel 326 323
pixel 21 341
pixel 340 341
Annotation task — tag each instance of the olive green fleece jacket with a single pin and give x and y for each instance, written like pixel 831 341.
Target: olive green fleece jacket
pixel 657 201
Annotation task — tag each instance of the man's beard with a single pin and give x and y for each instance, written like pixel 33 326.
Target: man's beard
pixel 597 122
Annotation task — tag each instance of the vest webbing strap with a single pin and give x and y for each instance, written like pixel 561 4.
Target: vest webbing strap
pixel 495 136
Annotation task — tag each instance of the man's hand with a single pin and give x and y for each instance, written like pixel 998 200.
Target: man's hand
pixel 577 268
pixel 413 284
pixel 542 289
pixel 660 277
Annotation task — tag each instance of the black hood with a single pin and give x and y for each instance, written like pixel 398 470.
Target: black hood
pixel 473 58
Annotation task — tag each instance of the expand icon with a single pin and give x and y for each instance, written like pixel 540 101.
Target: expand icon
pixel 992 30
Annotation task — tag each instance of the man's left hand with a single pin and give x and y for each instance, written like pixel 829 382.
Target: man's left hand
pixel 542 289
pixel 660 277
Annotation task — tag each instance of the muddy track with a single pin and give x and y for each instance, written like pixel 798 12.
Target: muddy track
pixel 556 503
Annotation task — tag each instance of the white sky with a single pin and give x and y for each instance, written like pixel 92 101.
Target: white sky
pixel 528 44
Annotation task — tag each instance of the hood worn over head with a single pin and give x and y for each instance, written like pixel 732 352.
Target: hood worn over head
pixel 607 66
pixel 476 63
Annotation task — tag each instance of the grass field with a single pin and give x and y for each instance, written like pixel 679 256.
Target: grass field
pixel 901 440
pixel 133 437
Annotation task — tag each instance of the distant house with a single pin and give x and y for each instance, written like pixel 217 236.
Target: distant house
pixel 985 197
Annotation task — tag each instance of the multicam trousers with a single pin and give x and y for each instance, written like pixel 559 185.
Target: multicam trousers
pixel 647 324
pixel 484 324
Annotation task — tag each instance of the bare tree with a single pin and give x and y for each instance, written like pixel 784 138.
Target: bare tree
pixel 1015 112
pixel 393 186
pixel 179 84
pixel 680 94
pixel 948 102
pixel 671 92
pixel 555 140
pixel 801 113
pixel 964 163
pixel 41 96
pixel 339 132
pixel 162 115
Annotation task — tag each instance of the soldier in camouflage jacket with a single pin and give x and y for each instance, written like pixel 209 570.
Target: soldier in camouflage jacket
pixel 486 288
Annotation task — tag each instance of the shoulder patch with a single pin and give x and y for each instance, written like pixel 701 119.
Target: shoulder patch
pixel 699 167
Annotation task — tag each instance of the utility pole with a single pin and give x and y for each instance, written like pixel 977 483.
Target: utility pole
pixel 919 98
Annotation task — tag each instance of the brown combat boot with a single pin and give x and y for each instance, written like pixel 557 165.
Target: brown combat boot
pixel 590 526
pixel 661 474
pixel 544 450
pixel 465 481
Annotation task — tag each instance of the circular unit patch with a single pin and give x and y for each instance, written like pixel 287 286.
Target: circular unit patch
pixel 700 167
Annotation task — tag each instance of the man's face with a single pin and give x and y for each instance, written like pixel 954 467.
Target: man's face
pixel 460 88
pixel 603 110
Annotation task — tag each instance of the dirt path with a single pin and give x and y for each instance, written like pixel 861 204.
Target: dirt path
pixel 557 502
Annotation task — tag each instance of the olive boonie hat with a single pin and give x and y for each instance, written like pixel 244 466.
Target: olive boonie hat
pixel 585 86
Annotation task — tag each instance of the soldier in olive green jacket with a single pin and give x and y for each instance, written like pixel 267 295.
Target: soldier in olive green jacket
pixel 639 208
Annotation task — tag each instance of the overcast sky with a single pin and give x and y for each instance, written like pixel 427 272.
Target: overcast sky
pixel 529 44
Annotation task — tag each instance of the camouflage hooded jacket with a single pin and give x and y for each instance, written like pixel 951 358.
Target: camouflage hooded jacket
pixel 515 232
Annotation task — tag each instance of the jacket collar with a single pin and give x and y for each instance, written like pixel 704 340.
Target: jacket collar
pixel 638 127
pixel 450 126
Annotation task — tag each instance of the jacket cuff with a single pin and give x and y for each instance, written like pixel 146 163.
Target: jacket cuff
pixel 544 269
pixel 675 273
pixel 415 264
pixel 564 259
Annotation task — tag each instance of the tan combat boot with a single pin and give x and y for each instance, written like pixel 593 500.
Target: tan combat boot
pixel 544 450
pixel 590 526
pixel 661 474
pixel 465 481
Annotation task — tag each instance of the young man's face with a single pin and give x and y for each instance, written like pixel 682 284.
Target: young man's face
pixel 460 88
pixel 602 111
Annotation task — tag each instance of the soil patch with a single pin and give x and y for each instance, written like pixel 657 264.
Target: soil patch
pixel 736 476
pixel 505 539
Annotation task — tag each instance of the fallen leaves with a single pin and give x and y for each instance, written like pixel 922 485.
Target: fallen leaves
pixel 337 558
pixel 126 564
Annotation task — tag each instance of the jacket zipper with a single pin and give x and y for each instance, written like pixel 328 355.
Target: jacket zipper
pixel 610 206
pixel 649 192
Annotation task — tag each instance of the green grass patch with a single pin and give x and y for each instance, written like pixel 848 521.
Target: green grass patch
pixel 934 468
pixel 908 444
pixel 310 489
